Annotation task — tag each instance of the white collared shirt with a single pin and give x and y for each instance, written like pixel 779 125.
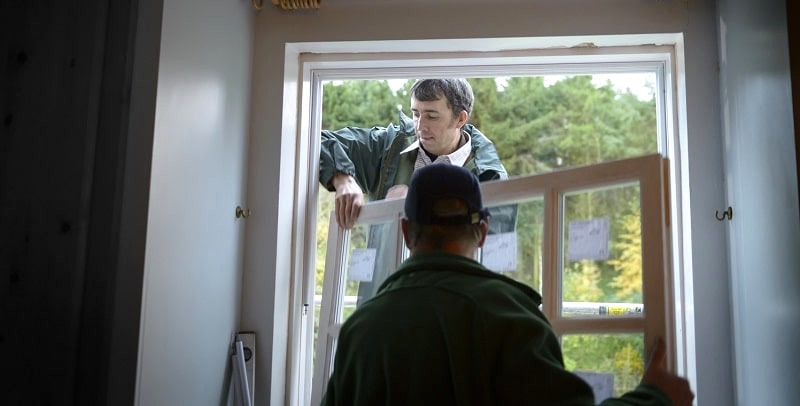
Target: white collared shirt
pixel 457 157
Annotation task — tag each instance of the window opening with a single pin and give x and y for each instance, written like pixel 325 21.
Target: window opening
pixel 539 123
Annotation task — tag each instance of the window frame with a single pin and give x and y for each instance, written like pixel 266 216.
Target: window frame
pixel 553 187
pixel 306 69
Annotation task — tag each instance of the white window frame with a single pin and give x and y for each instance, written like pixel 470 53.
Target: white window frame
pixel 309 64
pixel 655 321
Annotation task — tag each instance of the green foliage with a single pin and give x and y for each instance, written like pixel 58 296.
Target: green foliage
pixel 324 207
pixel 619 354
pixel 629 365
pixel 360 103
pixel 628 261
pixel 619 278
pixel 582 282
pixel 530 229
pixel 539 128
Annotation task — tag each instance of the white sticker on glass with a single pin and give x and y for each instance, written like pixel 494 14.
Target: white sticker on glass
pixel 588 239
pixel 500 252
pixel 362 264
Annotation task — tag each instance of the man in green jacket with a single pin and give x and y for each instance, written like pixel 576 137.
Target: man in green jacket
pixel 379 161
pixel 444 330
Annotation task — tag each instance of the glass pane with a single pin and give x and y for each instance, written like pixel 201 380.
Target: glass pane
pixel 363 238
pixel 612 363
pixel 516 251
pixel 371 257
pixel 325 205
pixel 370 246
pixel 602 246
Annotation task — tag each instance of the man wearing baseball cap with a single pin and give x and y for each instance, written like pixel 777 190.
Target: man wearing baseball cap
pixel 445 330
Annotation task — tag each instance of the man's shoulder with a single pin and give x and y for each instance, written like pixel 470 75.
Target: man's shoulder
pixel 486 161
pixel 478 139
pixel 469 276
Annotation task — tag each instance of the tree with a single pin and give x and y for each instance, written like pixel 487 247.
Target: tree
pixel 628 260
pixel 359 103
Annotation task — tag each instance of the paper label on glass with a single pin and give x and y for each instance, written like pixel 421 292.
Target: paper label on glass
pixel 362 264
pixel 588 239
pixel 500 252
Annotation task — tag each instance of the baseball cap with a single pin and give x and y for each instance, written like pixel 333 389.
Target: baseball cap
pixel 432 183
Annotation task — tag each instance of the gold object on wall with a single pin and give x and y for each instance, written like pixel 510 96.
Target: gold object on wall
pixel 288 4
pixel 296 4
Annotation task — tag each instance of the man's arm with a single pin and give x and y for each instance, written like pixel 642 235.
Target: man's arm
pixel 346 155
pixel 334 154
pixel 531 366
pixel 350 162
pixel 358 152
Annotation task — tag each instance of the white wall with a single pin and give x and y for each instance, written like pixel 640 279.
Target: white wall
pixel 272 144
pixel 761 182
pixel 193 260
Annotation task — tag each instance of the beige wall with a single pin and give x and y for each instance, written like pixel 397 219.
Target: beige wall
pixel 193 258
pixel 761 181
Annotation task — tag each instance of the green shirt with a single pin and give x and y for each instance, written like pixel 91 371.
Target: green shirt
pixel 444 330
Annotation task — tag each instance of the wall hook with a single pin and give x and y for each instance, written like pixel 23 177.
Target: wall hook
pixel 242 213
pixel 727 214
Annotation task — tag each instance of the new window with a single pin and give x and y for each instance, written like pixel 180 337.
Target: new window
pixel 583 138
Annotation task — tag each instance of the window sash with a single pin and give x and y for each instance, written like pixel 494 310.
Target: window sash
pixel 650 174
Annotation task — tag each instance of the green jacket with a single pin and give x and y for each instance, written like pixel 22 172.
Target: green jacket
pixel 372 156
pixel 444 330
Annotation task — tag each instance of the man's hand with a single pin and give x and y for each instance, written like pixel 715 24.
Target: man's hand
pixel 676 387
pixel 349 199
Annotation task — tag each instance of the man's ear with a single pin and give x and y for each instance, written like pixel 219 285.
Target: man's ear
pixel 404 227
pixel 462 119
pixel 483 226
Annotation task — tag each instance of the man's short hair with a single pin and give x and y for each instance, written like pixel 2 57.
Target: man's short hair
pixel 456 91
